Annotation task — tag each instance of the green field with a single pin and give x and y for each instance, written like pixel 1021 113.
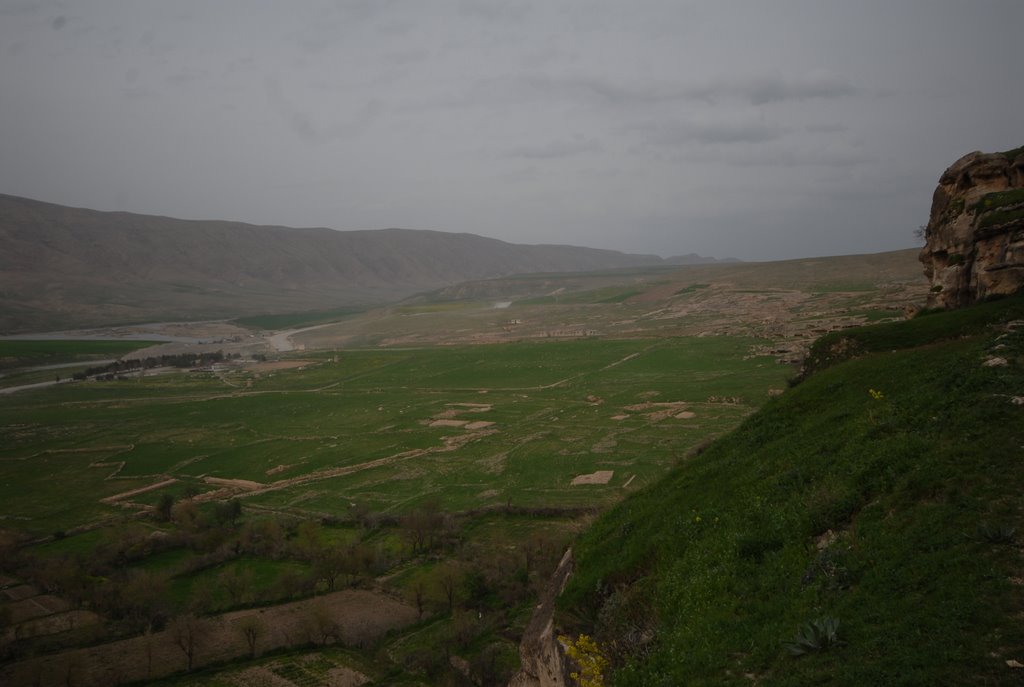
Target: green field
pixel 551 406
pixel 335 456
pixel 298 319
pixel 19 353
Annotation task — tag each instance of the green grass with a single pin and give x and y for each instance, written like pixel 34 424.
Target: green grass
pixel 999 217
pixel 1012 155
pixel 692 288
pixel 438 307
pixel 25 352
pixel 922 330
pixel 260 572
pixel 19 377
pixel 608 294
pixel 296 319
pixel 1000 207
pixel 999 199
pixel 831 502
pixel 551 404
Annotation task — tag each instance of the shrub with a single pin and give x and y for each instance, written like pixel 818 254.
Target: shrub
pixel 821 634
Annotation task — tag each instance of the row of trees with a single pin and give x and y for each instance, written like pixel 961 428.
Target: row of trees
pixel 476 585
pixel 179 360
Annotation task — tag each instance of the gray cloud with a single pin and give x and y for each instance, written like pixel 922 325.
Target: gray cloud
pixel 558 149
pixel 21 7
pixel 319 127
pixel 746 129
pixel 710 132
pixel 764 90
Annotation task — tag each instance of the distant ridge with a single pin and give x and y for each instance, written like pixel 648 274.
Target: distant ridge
pixel 694 259
pixel 63 267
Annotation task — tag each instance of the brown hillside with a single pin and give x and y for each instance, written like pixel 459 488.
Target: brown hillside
pixel 63 267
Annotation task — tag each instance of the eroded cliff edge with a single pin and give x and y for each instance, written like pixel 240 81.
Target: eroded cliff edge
pixel 542 659
pixel 975 235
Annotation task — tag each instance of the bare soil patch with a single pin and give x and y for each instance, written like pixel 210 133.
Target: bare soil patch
pixel 451 443
pixel 56 623
pixel 640 407
pixel 20 592
pixel 141 490
pixel 472 407
pixel 238 483
pixel 272 366
pixel 271 674
pixel 479 424
pixel 599 477
pixel 449 423
pixel 36 607
pixel 345 677
pixel 355 616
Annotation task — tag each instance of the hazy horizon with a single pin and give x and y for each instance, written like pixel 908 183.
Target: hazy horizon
pixel 725 129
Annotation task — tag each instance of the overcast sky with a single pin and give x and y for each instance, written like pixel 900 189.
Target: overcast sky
pixel 758 130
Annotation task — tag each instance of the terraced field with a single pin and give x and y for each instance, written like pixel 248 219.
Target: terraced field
pixel 385 430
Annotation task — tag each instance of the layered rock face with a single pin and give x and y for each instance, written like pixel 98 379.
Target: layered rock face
pixel 975 235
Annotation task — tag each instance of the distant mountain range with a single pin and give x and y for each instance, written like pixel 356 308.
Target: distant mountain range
pixel 63 267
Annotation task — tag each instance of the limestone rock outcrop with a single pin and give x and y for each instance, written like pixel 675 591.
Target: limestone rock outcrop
pixel 541 656
pixel 975 235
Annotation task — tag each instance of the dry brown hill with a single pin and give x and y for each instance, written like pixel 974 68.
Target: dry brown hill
pixel 65 267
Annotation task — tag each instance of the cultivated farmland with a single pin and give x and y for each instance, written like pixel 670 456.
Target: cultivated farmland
pixel 429 467
pixel 391 454
pixel 467 427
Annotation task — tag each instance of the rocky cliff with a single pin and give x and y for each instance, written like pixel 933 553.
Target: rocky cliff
pixel 975 235
pixel 542 660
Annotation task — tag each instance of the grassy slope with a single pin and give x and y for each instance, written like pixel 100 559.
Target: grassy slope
pixel 920 487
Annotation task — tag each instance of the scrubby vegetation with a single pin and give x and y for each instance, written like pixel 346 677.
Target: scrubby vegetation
pixel 860 529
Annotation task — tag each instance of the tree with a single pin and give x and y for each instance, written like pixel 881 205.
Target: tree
pixel 330 563
pixel 164 506
pixel 423 527
pixel 143 600
pixel 418 592
pixel 74 669
pixel 188 632
pixel 320 623
pixel 185 514
pixel 308 541
pixel 262 537
pixel 252 628
pixel 228 512
pixel 449 578
pixel 237 585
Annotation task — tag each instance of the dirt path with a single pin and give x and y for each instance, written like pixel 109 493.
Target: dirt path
pixel 141 490
pixel 281 342
pixel 37 385
pixel 450 444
